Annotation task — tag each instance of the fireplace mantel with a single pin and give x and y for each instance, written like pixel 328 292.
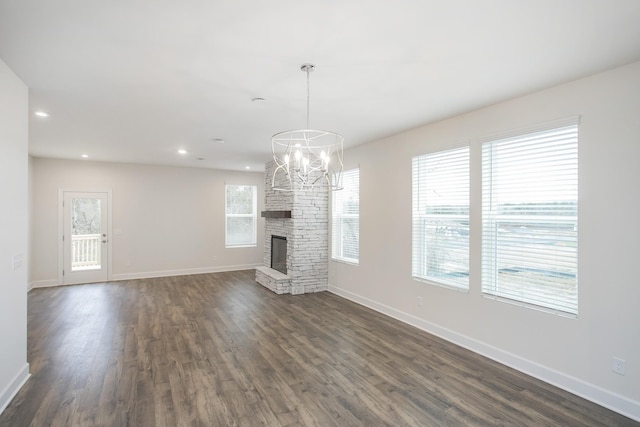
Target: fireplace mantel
pixel 275 214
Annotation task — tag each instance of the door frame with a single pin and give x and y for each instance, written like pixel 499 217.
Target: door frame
pixel 61 192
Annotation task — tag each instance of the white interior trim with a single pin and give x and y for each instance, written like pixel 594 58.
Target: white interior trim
pixel 61 192
pixel 182 272
pixel 42 284
pixel 531 128
pixel 153 274
pixel 14 387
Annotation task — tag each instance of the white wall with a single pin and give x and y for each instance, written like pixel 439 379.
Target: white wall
pixel 14 369
pixel 575 354
pixel 166 220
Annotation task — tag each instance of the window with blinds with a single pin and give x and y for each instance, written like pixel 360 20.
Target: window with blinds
pixel 345 219
pixel 530 219
pixel 440 218
pixel 240 215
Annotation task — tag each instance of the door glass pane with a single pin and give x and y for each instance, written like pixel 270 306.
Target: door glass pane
pixel 86 221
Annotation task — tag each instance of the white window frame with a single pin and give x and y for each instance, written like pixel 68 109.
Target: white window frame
pixel 430 175
pixel 351 188
pixel 535 263
pixel 253 215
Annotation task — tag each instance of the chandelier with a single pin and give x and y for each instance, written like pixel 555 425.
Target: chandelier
pixel 307 159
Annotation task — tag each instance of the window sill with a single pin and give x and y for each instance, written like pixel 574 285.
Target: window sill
pixel 440 284
pixel 346 261
pixel 524 304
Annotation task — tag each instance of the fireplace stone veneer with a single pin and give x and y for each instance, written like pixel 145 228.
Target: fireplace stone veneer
pixel 307 237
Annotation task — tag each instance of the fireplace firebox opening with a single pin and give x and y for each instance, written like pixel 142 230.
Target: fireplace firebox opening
pixel 279 253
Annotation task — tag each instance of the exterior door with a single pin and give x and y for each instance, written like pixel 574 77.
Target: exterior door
pixel 85 237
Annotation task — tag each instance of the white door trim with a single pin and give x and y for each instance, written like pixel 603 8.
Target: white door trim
pixel 61 192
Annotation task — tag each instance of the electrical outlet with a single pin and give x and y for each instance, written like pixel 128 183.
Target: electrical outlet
pixel 619 366
pixel 420 301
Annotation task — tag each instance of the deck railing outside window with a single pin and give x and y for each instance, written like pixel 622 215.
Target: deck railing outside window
pixel 85 251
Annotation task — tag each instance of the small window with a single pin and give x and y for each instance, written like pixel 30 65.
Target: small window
pixel 440 218
pixel 240 218
pixel 530 219
pixel 345 219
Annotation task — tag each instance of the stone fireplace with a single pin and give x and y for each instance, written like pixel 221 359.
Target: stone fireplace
pixel 302 219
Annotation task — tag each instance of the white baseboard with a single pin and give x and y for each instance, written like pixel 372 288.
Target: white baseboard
pixel 182 272
pixel 152 274
pixel 42 284
pixel 14 387
pixel 606 398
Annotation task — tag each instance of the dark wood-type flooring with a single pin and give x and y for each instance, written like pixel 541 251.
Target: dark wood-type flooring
pixel 219 349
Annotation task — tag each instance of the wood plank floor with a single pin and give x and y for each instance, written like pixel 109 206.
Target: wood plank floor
pixel 220 350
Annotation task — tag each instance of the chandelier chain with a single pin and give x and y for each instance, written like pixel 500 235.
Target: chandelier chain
pixel 308 97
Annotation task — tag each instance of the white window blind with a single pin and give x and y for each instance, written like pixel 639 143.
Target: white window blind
pixel 530 219
pixel 345 218
pixel 240 215
pixel 440 218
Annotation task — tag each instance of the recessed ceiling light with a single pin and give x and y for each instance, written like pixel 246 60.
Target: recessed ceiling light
pixel 218 140
pixel 84 156
pixel 199 158
pixel 41 114
pixel 181 151
pixel 247 167
pixel 259 100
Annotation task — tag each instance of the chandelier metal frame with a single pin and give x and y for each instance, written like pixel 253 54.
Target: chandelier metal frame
pixel 307 159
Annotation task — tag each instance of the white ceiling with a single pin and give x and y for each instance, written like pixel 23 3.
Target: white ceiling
pixel 135 80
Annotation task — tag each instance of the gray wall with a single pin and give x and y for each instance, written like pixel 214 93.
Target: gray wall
pixel 573 353
pixel 166 220
pixel 14 369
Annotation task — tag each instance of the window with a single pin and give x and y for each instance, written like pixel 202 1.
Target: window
pixel 240 218
pixel 345 218
pixel 440 218
pixel 530 218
